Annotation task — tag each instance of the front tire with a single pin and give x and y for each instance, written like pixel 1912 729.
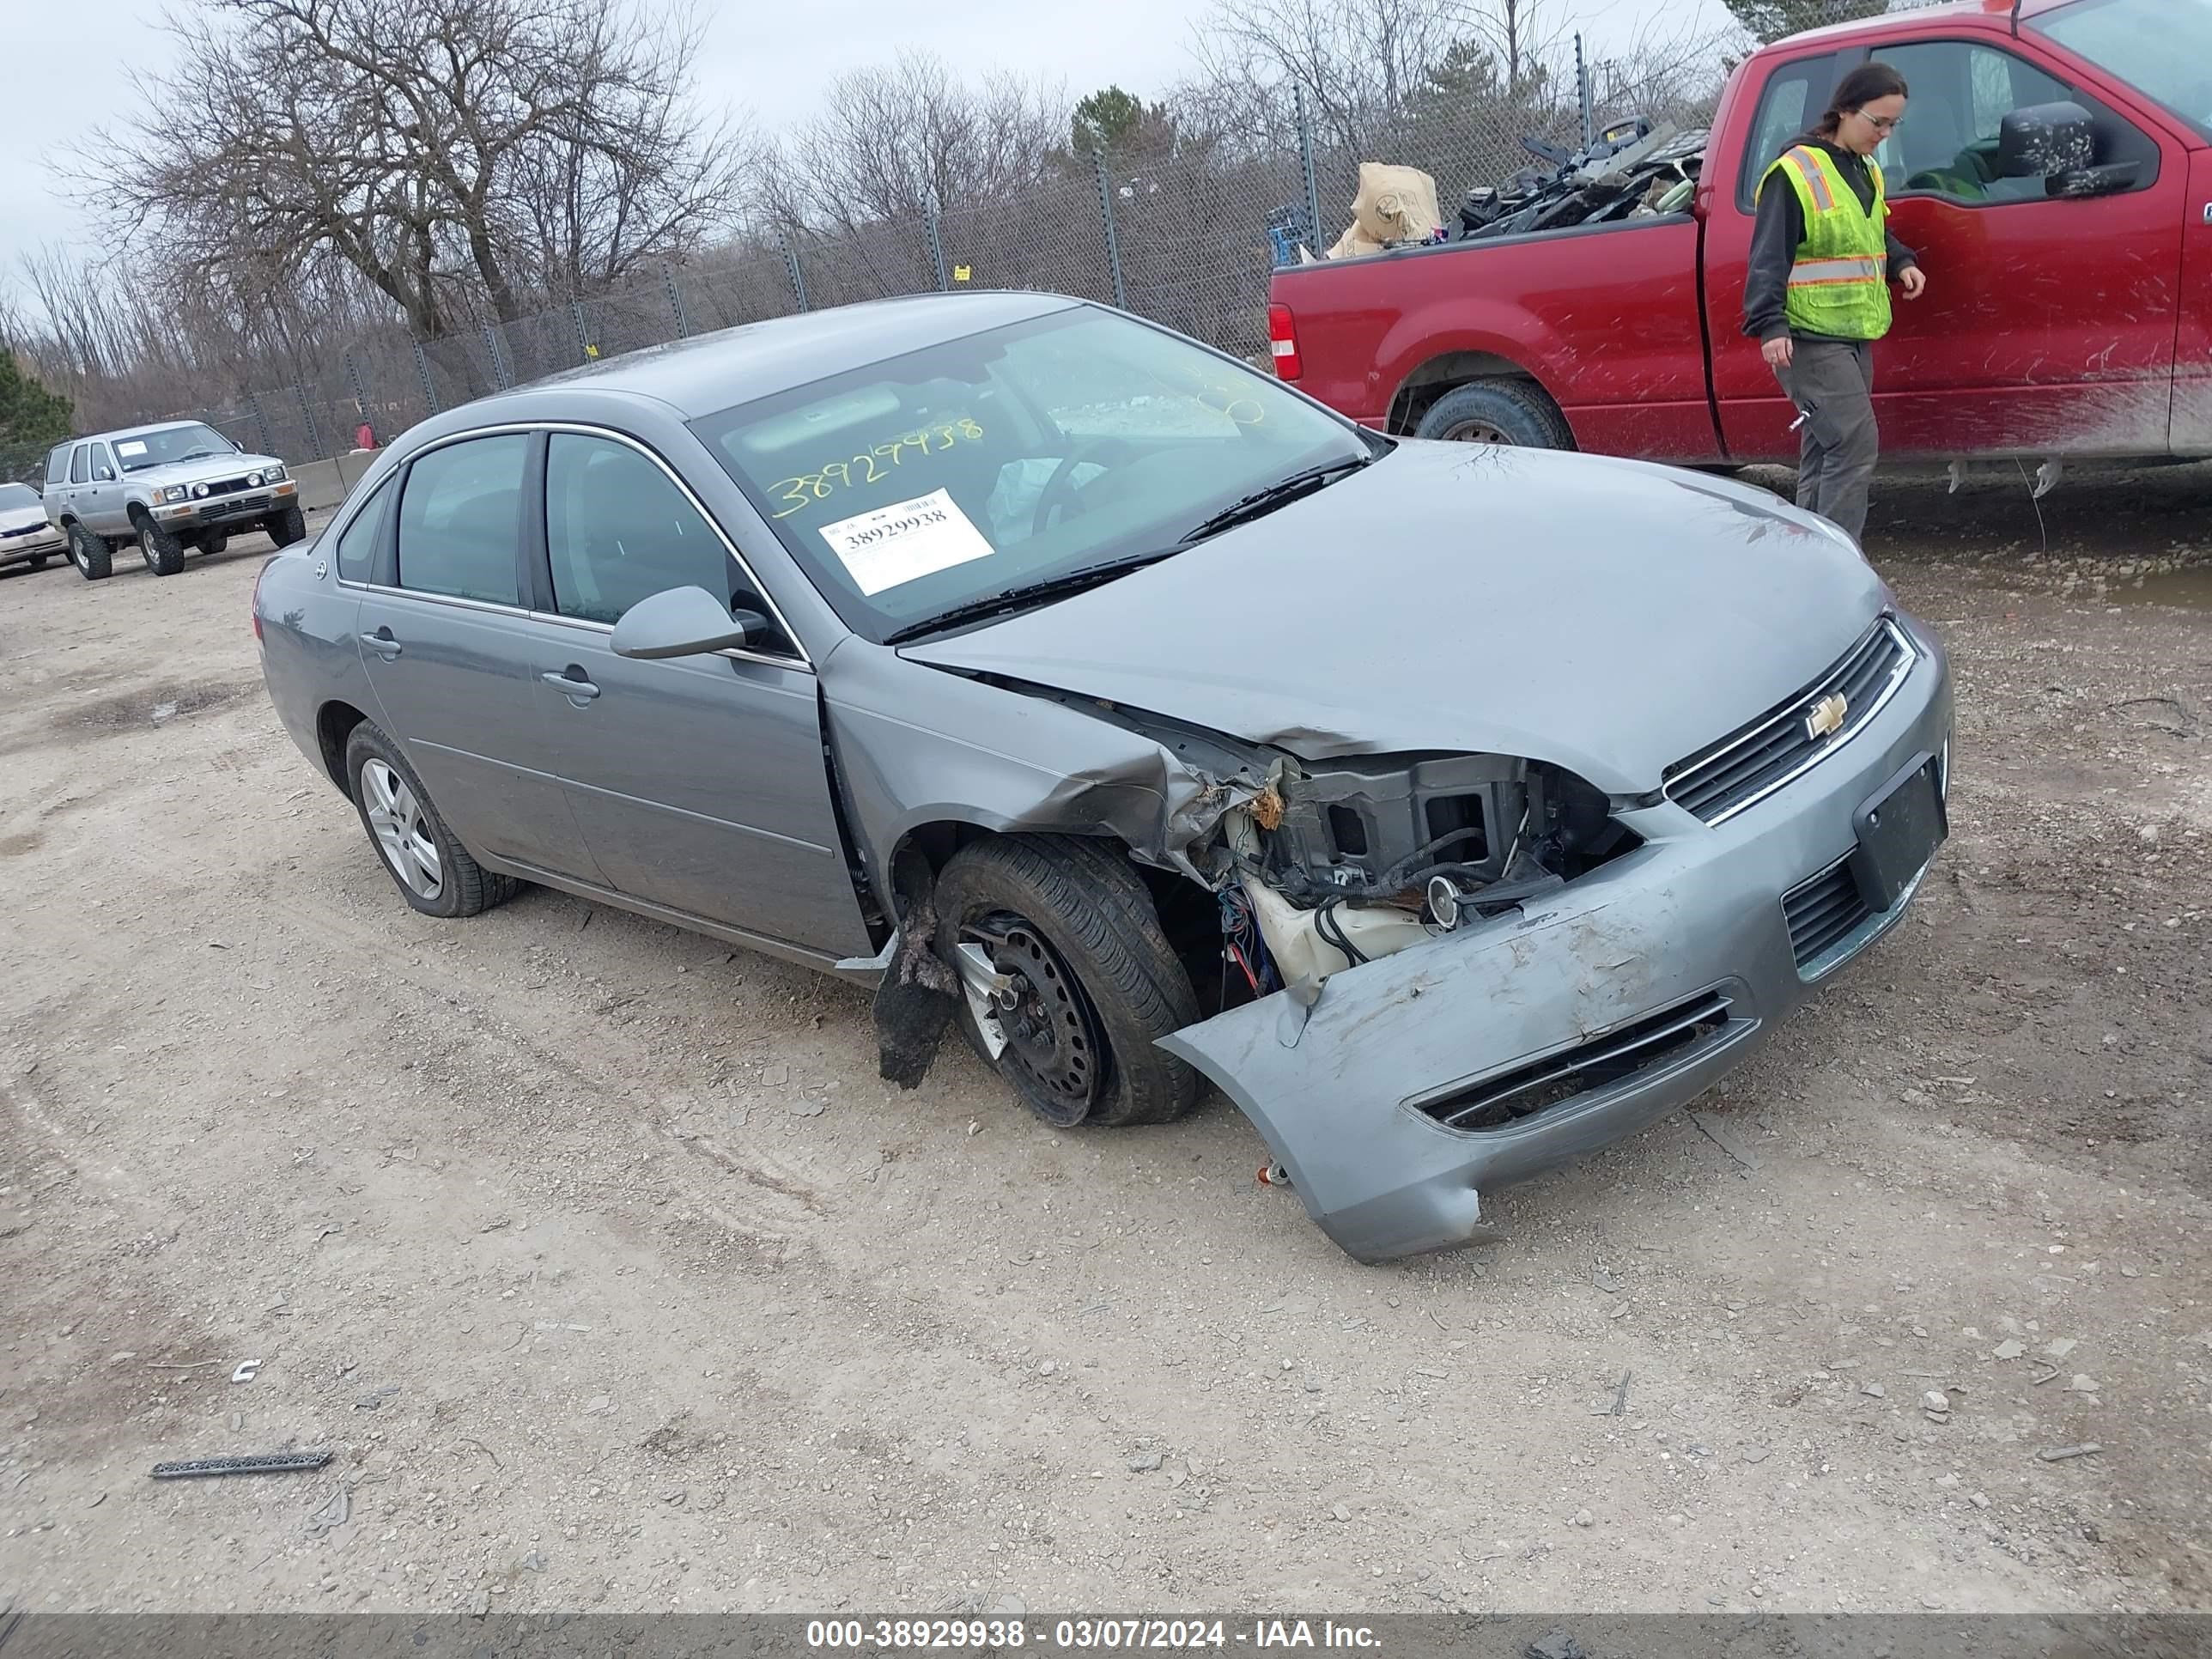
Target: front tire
pixel 94 558
pixel 432 870
pixel 163 553
pixel 286 527
pixel 1093 978
pixel 1513 412
pixel 211 544
pixel 37 562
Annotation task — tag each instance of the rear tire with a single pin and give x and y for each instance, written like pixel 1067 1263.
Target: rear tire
pixel 210 543
pixel 163 553
pixel 1100 981
pixel 286 527
pixel 94 558
pixel 1513 412
pixel 432 870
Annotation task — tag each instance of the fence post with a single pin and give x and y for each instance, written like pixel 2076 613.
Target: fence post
pixel 314 437
pixel 1306 165
pixel 498 359
pixel 791 264
pixel 675 302
pixel 929 221
pixel 1106 220
pixel 422 374
pixel 1582 94
pixel 260 422
pixel 353 379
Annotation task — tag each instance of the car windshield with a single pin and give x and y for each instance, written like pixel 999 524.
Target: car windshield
pixel 137 451
pixel 14 497
pixel 2162 47
pixel 1033 454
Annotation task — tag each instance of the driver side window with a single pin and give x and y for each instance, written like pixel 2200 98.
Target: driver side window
pixel 1948 145
pixel 618 530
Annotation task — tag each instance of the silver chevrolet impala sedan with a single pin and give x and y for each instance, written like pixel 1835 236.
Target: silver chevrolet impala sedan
pixel 1455 810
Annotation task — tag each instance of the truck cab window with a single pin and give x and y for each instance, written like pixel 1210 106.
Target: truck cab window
pixel 1961 93
pixel 1796 94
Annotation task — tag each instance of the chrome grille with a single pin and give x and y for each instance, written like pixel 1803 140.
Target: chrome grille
pixel 1613 1057
pixel 1823 913
pixel 1751 764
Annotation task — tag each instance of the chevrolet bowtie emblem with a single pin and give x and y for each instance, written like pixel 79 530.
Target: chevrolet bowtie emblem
pixel 1825 718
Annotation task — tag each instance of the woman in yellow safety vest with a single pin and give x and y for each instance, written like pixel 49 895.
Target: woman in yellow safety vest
pixel 1817 294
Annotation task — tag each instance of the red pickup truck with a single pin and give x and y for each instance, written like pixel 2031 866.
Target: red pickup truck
pixel 2068 313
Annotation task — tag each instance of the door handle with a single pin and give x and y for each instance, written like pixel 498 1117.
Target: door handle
pixel 382 643
pixel 572 684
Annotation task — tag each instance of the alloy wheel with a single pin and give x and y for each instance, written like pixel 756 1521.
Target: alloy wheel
pixel 402 830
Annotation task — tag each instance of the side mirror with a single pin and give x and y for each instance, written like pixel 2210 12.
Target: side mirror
pixel 683 622
pixel 102 475
pixel 2109 179
pixel 2046 141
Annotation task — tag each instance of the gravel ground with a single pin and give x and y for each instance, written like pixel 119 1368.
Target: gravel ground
pixel 616 1279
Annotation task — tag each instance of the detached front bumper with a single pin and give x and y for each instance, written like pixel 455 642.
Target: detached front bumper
pixel 241 510
pixel 1624 995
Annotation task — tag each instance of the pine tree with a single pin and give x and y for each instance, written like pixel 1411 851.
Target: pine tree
pixel 33 419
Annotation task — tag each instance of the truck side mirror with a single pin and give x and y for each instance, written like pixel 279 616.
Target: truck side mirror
pixel 2046 141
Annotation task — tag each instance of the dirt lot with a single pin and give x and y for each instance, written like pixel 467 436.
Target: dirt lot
pixel 618 1281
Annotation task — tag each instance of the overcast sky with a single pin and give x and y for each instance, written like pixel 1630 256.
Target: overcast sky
pixel 771 59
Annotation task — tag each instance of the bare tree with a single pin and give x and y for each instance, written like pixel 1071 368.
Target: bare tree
pixel 451 153
pixel 891 140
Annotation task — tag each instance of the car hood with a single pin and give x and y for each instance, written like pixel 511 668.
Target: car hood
pixel 215 466
pixel 21 518
pixel 1609 616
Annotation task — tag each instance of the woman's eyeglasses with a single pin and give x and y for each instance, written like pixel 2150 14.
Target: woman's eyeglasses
pixel 1884 125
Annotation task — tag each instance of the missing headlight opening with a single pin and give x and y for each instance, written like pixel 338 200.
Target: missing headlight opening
pixel 1356 859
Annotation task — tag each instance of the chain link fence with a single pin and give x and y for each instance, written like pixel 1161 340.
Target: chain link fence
pixel 1187 235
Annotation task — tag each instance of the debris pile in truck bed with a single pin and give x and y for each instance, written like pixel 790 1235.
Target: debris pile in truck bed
pixel 1630 171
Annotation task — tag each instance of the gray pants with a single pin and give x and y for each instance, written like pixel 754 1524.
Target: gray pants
pixel 1831 383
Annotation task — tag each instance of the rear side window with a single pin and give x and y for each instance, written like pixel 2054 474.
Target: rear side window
pixel 57 466
pixel 81 464
pixel 617 530
pixel 460 519
pixel 357 546
pixel 1796 94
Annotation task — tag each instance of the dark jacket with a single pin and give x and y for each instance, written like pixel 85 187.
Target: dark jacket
pixel 1780 232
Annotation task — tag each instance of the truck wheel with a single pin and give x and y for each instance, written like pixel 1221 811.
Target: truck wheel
pixel 1497 412
pixel 286 527
pixel 91 554
pixel 163 553
pixel 210 543
pixel 1091 980
pixel 432 871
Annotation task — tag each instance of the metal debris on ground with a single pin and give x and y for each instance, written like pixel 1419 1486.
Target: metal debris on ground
pixel 261 1463
pixel 2060 1454
pixel 1620 1395
pixel 248 1369
pixel 335 1512
pixel 1717 1131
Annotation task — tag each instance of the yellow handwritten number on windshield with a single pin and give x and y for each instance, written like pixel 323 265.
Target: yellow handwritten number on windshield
pixel 803 490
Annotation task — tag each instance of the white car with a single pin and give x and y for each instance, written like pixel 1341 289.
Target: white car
pixel 26 536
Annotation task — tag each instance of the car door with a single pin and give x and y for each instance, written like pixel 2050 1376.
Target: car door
pixel 2048 324
pixel 700 782
pixel 80 482
pixel 441 636
pixel 56 493
pixel 101 501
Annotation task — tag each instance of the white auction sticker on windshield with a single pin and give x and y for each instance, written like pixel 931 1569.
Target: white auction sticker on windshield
pixel 894 546
pixel 130 446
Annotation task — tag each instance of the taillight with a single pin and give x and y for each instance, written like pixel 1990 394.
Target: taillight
pixel 1283 341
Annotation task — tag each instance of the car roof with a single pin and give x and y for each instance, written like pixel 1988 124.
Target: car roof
pixel 731 366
